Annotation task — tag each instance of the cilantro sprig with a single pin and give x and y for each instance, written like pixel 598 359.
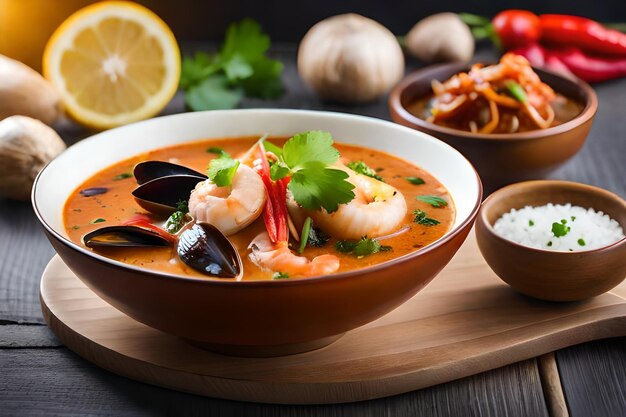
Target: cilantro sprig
pixel 415 180
pixel 222 170
pixel 432 200
pixel 175 222
pixel 361 167
pixel 362 247
pixel 422 218
pixel 307 158
pixel 241 68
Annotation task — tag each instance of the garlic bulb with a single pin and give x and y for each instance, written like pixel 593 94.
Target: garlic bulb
pixel 350 58
pixel 23 91
pixel 26 145
pixel 441 37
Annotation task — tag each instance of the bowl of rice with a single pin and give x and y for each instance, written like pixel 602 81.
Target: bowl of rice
pixel 554 240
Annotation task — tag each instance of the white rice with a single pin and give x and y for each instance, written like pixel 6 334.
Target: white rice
pixel 585 229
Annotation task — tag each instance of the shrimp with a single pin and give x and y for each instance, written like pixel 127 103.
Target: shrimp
pixel 376 210
pixel 230 209
pixel 279 258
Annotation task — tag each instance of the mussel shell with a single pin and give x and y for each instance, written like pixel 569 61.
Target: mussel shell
pixel 204 248
pixel 151 170
pixel 123 236
pixel 161 195
pixel 90 192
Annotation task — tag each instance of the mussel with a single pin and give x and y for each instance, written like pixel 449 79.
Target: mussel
pixel 163 195
pixel 90 192
pixel 204 248
pixel 123 236
pixel 151 170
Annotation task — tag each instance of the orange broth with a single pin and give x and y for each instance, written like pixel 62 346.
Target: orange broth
pixel 118 204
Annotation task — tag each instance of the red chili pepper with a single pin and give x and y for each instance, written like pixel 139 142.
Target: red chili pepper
pixel 275 210
pixel 573 61
pixel 141 220
pixel 586 34
pixel 516 28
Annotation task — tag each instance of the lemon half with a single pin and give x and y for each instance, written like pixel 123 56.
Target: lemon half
pixel 113 63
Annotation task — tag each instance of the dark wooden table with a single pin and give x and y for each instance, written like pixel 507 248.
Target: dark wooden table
pixel 38 376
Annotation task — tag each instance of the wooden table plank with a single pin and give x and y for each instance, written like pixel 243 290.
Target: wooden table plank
pixel 593 376
pixel 55 381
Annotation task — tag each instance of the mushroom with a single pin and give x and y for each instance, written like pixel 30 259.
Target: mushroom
pixel 23 91
pixel 26 145
pixel 350 58
pixel 441 37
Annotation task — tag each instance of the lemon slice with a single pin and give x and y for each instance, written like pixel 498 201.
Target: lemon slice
pixel 113 63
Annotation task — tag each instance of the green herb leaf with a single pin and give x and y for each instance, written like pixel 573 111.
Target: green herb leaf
pixel 278 171
pixel 516 91
pixel 182 205
pixel 318 187
pixel 415 180
pixel 98 220
pixel 346 246
pixel 237 68
pixel 175 222
pixel 266 82
pixel 421 218
pixel 559 229
pixel 317 237
pixel 75 227
pixel 196 69
pixel 432 200
pixel 549 243
pixel 280 275
pixel 473 19
pixel 314 185
pixel 241 68
pixel 246 40
pixel 122 176
pixel 360 248
pixel 581 242
pixel 213 93
pixel 573 218
pixel 222 170
pixel 312 146
pixel 361 167
pixel 531 223
pixel 304 235
pixel 218 151
pixel 270 147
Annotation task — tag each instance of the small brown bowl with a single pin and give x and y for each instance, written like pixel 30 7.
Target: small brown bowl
pixel 552 275
pixel 502 158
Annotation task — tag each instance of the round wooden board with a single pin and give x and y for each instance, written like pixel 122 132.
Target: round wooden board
pixel 465 322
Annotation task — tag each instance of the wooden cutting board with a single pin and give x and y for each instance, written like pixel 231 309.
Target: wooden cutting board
pixel 465 322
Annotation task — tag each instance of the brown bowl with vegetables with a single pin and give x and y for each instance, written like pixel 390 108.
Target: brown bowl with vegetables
pixel 554 240
pixel 511 121
pixel 289 239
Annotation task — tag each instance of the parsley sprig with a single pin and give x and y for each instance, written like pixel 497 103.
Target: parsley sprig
pixel 307 157
pixel 241 68
pixel 360 248
pixel 361 167
pixel 222 170
pixel 432 200
pixel 423 219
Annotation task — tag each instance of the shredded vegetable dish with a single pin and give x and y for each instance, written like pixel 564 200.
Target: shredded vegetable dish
pixel 506 97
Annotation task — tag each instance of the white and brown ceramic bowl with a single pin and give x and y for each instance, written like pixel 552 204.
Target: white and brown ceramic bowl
pixel 256 317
